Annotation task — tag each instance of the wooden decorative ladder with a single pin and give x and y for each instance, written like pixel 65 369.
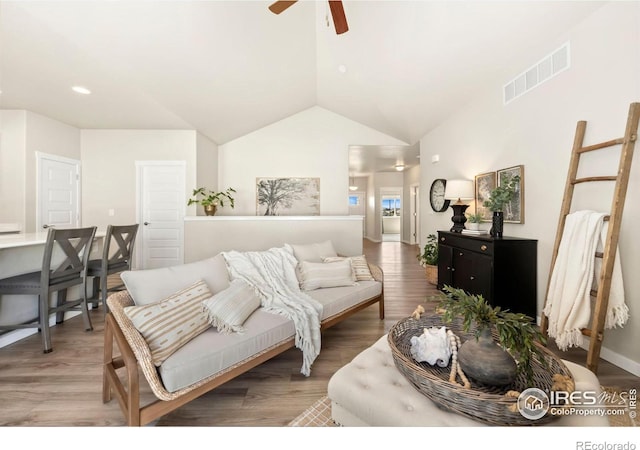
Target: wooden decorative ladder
pixel 596 332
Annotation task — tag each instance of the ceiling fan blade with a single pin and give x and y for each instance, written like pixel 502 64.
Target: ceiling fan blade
pixel 280 6
pixel 339 19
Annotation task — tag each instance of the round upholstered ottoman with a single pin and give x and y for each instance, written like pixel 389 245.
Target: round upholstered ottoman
pixel 370 391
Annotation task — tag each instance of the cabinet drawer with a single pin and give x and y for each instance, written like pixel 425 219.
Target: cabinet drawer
pixel 467 243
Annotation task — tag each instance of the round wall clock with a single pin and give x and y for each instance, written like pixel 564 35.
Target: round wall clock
pixel 436 195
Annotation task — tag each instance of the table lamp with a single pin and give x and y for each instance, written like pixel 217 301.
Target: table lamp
pixel 458 191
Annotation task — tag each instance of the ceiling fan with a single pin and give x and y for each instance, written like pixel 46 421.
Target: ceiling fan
pixel 337 12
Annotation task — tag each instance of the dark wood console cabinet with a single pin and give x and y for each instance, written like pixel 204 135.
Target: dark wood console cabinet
pixel 502 270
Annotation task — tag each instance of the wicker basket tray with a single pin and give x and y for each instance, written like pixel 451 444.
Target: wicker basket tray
pixel 487 404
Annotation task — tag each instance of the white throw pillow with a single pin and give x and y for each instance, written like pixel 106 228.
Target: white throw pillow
pixel 147 286
pixel 313 252
pixel 228 309
pixel 358 264
pixel 324 275
pixel 170 323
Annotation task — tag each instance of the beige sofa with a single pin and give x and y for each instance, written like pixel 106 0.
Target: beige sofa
pixel 211 358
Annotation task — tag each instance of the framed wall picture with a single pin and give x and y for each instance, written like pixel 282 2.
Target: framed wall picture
pixel 484 184
pixel 514 210
pixel 288 196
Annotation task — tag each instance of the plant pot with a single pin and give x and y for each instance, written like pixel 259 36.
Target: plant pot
pixel 210 210
pixel 497 222
pixel 432 274
pixel 486 362
pixel 473 226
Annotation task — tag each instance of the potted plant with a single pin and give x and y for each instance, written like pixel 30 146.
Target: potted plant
pixel 429 259
pixel 210 200
pixel 474 221
pixel 497 200
pixel 518 337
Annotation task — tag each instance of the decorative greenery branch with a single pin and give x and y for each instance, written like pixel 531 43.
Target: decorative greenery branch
pixel 517 333
pixel 209 197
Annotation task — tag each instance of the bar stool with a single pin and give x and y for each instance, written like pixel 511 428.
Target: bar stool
pixel 124 238
pixel 64 264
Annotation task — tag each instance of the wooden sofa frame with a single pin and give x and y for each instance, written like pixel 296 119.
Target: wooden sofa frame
pixel 134 356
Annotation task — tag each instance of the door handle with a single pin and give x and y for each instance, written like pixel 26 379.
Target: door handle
pixel 45 226
pixel 146 223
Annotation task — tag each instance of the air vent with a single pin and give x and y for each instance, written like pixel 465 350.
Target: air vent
pixel 544 70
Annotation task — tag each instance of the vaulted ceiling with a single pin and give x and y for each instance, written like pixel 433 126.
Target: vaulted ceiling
pixel 227 68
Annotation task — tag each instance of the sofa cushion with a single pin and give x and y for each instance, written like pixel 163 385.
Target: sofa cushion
pixel 228 309
pixel 313 252
pixel 337 299
pixel 358 264
pixel 211 351
pixel 150 285
pixel 325 275
pixel 169 324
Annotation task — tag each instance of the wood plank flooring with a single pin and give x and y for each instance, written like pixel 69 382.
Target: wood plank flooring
pixel 63 388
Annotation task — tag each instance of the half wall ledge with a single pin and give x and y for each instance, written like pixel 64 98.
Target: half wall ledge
pixel 206 236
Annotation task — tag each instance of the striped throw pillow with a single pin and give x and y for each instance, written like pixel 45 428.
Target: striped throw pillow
pixel 228 309
pixel 325 275
pixel 359 265
pixel 170 323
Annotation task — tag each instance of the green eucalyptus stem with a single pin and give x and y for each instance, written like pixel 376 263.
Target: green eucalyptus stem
pixel 517 333
pixel 502 194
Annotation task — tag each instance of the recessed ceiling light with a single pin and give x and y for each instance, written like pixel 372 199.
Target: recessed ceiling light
pixel 81 90
pixel 342 68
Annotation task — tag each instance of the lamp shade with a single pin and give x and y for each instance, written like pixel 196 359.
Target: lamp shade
pixel 459 190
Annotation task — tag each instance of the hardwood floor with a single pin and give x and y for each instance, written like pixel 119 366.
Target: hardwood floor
pixel 63 388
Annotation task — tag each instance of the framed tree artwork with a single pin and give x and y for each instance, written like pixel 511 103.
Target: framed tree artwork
pixel 514 210
pixel 288 196
pixel 484 184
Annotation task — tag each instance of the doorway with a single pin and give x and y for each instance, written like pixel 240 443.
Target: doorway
pixel 391 208
pixel 160 209
pixel 58 192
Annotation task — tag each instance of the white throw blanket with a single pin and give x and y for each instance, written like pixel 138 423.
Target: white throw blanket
pixel 272 274
pixel 575 273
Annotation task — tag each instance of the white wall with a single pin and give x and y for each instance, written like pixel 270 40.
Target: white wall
pixel 12 166
pixel 23 134
pixel 206 165
pixel 312 143
pixel 47 136
pixel 537 130
pixel 109 172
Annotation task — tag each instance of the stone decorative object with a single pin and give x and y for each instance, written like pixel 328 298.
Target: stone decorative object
pixel 486 362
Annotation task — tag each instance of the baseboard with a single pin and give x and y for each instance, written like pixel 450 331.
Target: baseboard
pixel 609 355
pixel 614 358
pixel 16 335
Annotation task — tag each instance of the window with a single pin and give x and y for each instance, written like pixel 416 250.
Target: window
pixel 390 206
pixel 354 200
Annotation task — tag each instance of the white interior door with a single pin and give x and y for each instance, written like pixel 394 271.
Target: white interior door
pixel 161 209
pixel 58 192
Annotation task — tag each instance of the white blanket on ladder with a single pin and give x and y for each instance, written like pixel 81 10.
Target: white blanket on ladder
pixel 272 274
pixel 576 272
